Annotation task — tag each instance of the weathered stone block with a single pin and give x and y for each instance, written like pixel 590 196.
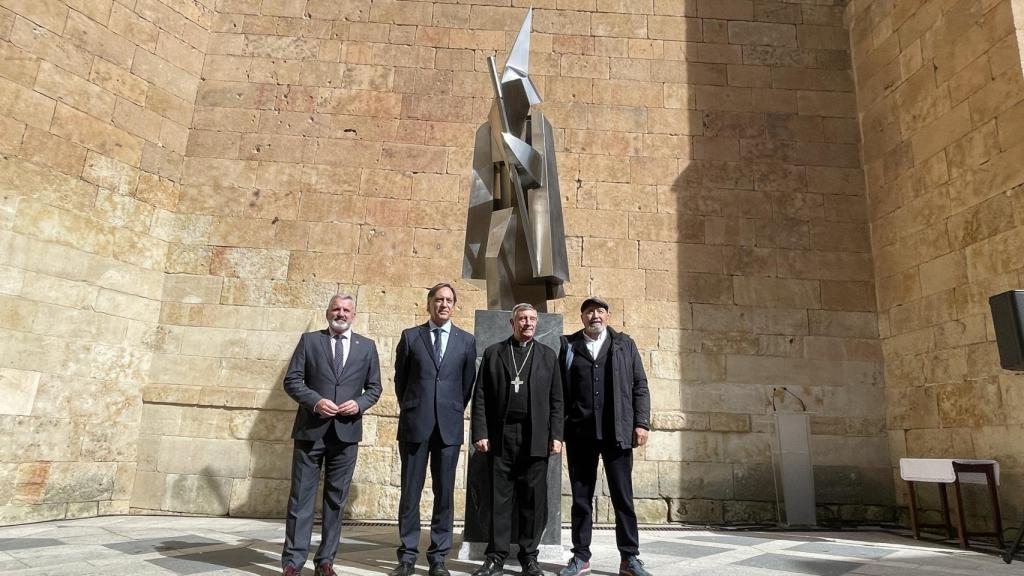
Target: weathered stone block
pixel 206 458
pixel 18 389
pixel 695 511
pixel 196 494
pixel 259 498
pixel 78 481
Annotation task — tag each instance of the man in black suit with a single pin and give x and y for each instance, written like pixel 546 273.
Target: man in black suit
pixel 334 375
pixel 435 366
pixel 607 413
pixel 517 422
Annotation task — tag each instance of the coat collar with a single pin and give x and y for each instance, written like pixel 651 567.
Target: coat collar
pixel 325 344
pixel 505 353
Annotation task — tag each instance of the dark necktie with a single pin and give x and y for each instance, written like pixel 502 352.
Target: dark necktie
pixel 437 344
pixel 339 353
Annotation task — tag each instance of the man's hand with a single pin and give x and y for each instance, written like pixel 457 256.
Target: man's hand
pixel 482 445
pixel 640 436
pixel 348 408
pixel 325 408
pixel 556 447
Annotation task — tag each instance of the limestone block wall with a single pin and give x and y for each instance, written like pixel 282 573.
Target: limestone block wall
pixel 712 189
pixel 767 263
pixel 285 150
pixel 939 90
pixel 95 107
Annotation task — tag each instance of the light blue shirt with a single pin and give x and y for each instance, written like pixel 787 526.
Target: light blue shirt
pixel 446 329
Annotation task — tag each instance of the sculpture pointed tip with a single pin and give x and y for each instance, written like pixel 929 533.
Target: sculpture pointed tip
pixel 519 56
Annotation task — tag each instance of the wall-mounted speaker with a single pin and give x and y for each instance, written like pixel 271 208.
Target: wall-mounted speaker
pixel 1008 319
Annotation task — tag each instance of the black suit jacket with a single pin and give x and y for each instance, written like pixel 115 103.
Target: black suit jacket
pixel 310 377
pixel 631 399
pixel 429 393
pixel 490 399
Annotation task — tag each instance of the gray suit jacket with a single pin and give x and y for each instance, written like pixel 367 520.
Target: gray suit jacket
pixel 310 377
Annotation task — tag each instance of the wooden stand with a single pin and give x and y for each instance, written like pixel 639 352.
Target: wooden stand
pixel 943 472
pixel 988 470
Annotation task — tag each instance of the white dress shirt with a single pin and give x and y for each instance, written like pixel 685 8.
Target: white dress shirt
pixel 346 342
pixel 445 332
pixel 594 344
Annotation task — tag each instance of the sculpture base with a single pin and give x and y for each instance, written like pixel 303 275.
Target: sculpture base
pixel 493 326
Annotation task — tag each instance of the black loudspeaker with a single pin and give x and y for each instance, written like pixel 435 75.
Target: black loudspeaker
pixel 1007 317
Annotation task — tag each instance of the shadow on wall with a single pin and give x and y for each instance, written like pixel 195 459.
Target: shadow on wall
pixel 264 492
pixel 746 326
pixel 204 490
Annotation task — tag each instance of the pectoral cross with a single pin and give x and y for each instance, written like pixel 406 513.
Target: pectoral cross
pixel 515 384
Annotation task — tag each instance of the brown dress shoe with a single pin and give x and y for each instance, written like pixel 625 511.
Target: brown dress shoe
pixel 290 570
pixel 325 569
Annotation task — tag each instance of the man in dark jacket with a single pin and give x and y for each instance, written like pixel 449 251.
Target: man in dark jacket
pixel 435 367
pixel 517 422
pixel 334 375
pixel 608 412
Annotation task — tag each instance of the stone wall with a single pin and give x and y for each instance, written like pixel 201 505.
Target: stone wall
pixel 939 88
pixel 95 107
pixel 249 158
pixel 703 189
pixel 768 265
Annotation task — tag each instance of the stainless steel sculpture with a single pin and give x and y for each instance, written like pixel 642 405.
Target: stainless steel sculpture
pixel 515 238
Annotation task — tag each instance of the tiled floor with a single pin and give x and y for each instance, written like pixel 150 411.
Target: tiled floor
pixel 143 545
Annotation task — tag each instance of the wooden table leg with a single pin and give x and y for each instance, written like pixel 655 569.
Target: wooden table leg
pixel 913 510
pixel 993 493
pixel 1008 556
pixel 944 502
pixel 960 513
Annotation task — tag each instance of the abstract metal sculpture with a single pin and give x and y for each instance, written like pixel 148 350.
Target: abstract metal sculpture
pixel 515 238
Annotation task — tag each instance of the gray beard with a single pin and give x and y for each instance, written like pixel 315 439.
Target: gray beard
pixel 339 325
pixel 594 331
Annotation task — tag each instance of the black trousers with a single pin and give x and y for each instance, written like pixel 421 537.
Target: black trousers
pixel 443 461
pixel 581 456
pixel 517 480
pixel 338 460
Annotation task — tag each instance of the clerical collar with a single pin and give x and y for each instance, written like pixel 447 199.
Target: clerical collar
pixel 519 344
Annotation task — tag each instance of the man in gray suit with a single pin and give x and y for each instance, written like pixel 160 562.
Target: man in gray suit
pixel 334 375
pixel 435 366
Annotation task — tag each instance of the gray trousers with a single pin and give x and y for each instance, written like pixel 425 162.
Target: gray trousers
pixel 338 460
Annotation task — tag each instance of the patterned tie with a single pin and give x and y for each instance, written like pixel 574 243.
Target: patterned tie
pixel 339 353
pixel 437 344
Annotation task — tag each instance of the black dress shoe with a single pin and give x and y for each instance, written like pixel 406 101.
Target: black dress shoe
pixel 532 568
pixel 438 569
pixel 491 567
pixel 403 569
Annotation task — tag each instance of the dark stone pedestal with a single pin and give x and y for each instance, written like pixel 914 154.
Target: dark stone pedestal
pixel 493 326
